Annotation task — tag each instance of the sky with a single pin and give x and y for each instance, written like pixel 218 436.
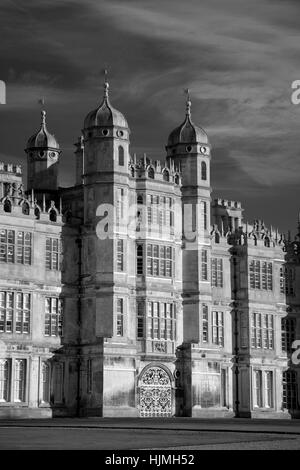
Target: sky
pixel 238 58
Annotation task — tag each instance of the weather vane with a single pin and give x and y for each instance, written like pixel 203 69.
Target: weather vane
pixel 105 71
pixel 187 92
pixel 106 84
pixel 188 101
pixel 42 101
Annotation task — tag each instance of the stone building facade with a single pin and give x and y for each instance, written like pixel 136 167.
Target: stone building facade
pixel 132 293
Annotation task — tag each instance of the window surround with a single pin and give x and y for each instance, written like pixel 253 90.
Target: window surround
pixel 45 385
pixel 160 260
pixel 263 396
pixel 204 265
pixel 16 246
pixel 217 278
pixel 13 387
pixel 120 255
pixel 140 319
pixel 288 333
pixel 161 321
pixel 53 319
pixel 262 331
pixel 15 318
pixel 290 390
pixel 120 330
pixel 212 329
pixel 260 275
pixel 287 280
pixel 53 251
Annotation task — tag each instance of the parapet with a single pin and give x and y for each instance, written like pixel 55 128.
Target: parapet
pixel 10 168
pixel 255 234
pixel 227 204
pixel 16 202
pixel 155 170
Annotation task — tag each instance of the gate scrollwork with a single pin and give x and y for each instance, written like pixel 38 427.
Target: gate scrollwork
pixel 155 393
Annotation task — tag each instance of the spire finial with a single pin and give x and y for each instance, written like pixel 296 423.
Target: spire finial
pixel 188 102
pixel 106 84
pixel 43 112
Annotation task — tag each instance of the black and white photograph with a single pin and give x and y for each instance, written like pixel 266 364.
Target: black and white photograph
pixel 150 228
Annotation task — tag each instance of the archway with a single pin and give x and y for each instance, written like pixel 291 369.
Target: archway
pixel 155 393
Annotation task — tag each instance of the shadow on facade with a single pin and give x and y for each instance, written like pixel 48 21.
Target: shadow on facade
pixel 69 370
pixel 288 285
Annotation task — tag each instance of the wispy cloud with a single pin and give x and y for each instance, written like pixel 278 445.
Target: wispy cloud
pixel 238 58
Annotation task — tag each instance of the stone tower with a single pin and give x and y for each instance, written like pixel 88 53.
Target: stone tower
pixel 106 143
pixel 42 159
pixel 104 281
pixel 189 148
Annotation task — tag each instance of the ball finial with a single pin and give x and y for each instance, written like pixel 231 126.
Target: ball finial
pixel 106 84
pixel 188 101
pixel 43 115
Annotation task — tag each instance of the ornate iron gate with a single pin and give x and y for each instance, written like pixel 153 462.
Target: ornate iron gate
pixel 155 393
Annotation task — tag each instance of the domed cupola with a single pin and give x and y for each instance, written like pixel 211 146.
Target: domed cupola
pixel 42 159
pixel 189 148
pixel 106 139
pixel 42 139
pixel 105 115
pixel 187 132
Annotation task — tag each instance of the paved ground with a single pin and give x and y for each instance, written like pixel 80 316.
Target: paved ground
pixel 172 434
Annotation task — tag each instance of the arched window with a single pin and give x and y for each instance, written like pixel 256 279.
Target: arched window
pixel 121 156
pixel 176 179
pixel 267 242
pixel 53 215
pixel 166 175
pixel 37 213
pixel 7 206
pixel 254 238
pixel 25 208
pixel 151 173
pixel 203 171
pixel 140 199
